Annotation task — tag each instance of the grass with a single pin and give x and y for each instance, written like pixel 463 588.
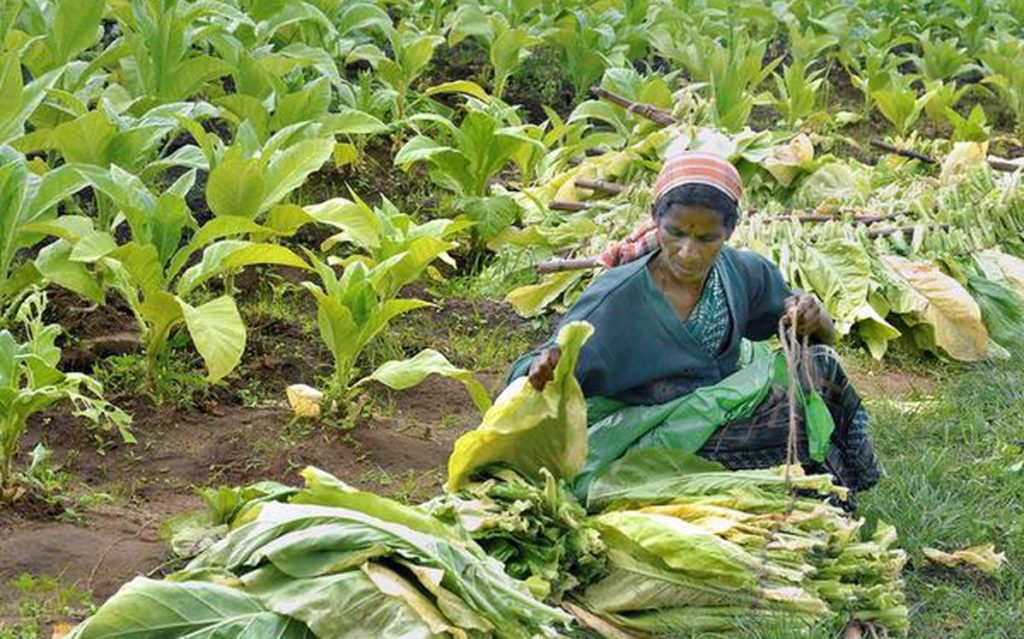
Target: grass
pixel 43 601
pixel 955 475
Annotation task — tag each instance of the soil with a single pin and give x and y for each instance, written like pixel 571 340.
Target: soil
pixel 397 447
pixel 891 383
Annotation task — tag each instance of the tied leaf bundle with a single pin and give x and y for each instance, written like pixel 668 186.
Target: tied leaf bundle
pixel 708 550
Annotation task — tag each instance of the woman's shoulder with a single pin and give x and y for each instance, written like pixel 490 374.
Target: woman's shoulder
pixel 610 287
pixel 746 259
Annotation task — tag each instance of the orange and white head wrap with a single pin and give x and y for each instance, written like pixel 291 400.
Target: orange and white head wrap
pixel 697 167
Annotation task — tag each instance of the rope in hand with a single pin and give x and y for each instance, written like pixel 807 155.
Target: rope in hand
pixel 793 348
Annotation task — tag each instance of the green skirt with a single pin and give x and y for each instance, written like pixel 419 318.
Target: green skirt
pixel 737 419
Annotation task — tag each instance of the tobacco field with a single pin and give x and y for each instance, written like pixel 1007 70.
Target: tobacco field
pixel 264 265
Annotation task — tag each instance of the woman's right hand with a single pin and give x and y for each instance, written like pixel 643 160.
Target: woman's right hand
pixel 542 369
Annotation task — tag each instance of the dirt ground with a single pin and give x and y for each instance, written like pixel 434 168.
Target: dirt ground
pixel 398 446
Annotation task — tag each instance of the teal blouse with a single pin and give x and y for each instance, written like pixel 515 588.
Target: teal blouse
pixel 644 352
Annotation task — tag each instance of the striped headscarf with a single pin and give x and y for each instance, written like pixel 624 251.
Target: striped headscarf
pixel 681 167
pixel 696 167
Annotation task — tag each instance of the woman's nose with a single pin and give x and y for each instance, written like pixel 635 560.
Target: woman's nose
pixel 688 249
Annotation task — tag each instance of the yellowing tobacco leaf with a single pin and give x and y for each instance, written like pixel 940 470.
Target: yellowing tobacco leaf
pixel 963 157
pixel 304 400
pixel 786 162
pixel 530 429
pixel 531 300
pixel 984 557
pixel 949 317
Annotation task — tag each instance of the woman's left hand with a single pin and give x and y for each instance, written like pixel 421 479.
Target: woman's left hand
pixel 812 319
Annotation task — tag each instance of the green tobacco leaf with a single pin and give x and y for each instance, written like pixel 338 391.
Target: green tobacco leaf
pixel 529 429
pixel 659 475
pixel 324 489
pixel 10 86
pixel 191 75
pixel 30 97
pixel 197 610
pixel 306 541
pixel 289 169
pixel 507 51
pixel 368 610
pixel 304 105
pixel 489 215
pixel 407 373
pixel 686 547
pixel 225 255
pixel 247 108
pixel 75 27
pixel 420 253
pixel 1000 267
pixel 54 263
pixel 215 229
pixel 141 261
pixel 236 187
pixel 532 300
pixel 460 86
pixel 346 121
pixel 840 273
pixel 218 332
pixel 418 149
pixel 85 140
pixel 358 224
pixel 93 246
pixel 55 186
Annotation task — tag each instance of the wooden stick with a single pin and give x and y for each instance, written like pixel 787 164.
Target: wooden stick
pixel 558 205
pixel 610 188
pixel 997 164
pixel 649 111
pixel 578 264
pixel 907 153
pixel 901 229
pixel 865 220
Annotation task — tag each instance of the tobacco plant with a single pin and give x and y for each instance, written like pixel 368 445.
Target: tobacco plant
pixel 153 271
pixel 465 159
pixel 31 381
pixel 25 199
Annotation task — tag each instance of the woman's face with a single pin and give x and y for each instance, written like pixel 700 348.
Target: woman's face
pixel 691 237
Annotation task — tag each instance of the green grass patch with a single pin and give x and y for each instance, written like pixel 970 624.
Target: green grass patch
pixel 954 465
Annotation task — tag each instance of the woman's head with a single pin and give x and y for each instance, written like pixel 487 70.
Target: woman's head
pixel 696 210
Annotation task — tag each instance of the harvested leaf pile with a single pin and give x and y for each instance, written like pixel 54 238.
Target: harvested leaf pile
pixel 695 548
pixel 668 544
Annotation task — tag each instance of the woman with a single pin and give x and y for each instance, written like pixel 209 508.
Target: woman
pixel 670 365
